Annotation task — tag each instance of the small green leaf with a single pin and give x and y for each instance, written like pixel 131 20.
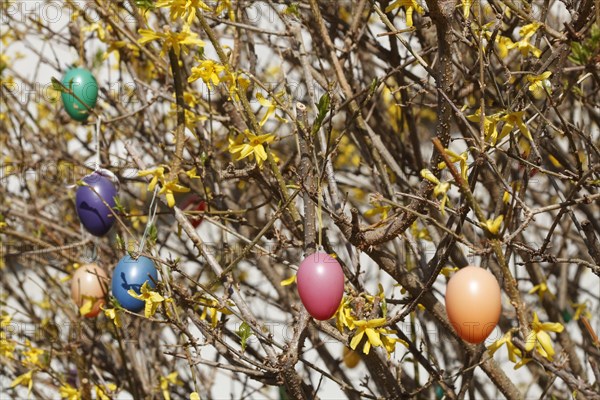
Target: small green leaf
pixel 582 52
pixel 595 36
pixel 282 393
pixel 115 303
pixel 292 9
pixel 374 85
pixel 323 108
pixel 120 242
pixel 98 59
pixel 118 208
pixel 244 332
pixel 579 54
pixel 153 233
pixel 203 158
pixel 145 4
pixel 383 303
pixel 58 86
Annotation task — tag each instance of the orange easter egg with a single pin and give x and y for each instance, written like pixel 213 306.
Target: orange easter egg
pixel 473 303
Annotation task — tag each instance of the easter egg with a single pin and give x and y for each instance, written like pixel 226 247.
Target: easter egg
pixel 89 282
pixel 439 392
pixel 94 206
pixel 194 203
pixel 84 87
pixel 351 358
pixel 473 303
pixel 129 274
pixel 320 285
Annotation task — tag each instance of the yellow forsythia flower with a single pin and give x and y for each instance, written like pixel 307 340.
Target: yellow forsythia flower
pixel 409 7
pixel 539 338
pixel 150 297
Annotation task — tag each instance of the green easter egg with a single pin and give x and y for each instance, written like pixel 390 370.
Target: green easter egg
pixel 439 392
pixel 84 86
pixel 566 315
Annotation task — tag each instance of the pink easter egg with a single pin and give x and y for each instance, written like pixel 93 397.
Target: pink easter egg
pixel 320 285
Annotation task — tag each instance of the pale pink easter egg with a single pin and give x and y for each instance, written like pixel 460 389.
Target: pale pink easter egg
pixel 89 281
pixel 320 285
pixel 473 303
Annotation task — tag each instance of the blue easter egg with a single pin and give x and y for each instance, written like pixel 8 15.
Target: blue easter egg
pixel 129 274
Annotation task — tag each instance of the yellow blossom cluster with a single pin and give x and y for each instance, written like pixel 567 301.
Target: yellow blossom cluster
pixel 504 44
pixel 178 41
pixel 151 298
pixel 509 121
pixel 440 189
pixel 168 188
pixel 250 145
pixel 210 309
pixel 374 329
pixel 538 340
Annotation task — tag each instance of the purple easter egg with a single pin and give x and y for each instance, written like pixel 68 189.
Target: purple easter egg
pixel 92 211
pixel 320 285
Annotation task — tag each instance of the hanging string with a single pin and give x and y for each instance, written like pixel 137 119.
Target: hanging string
pixel 84 237
pixel 95 249
pixel 151 216
pixel 320 216
pixel 97 138
pixel 97 162
pixel 86 254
